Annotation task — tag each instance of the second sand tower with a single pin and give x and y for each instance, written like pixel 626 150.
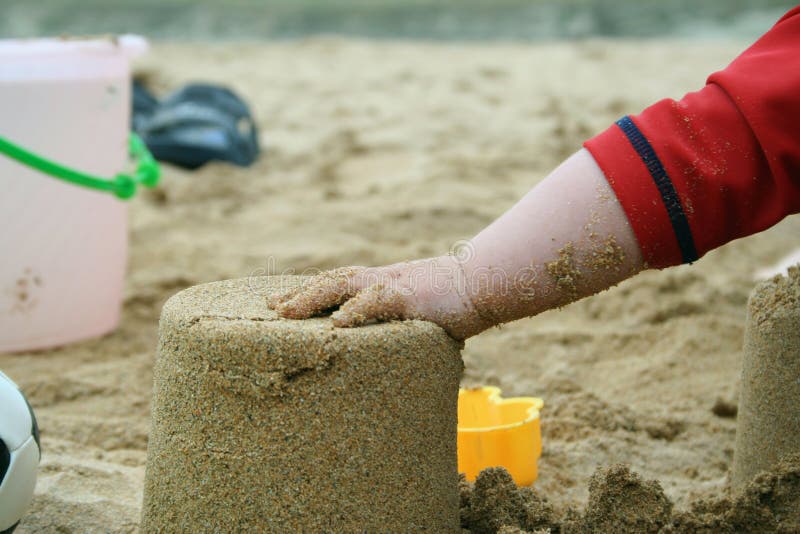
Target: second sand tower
pixel 768 426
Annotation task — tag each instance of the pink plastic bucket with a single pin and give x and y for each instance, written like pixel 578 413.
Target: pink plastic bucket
pixel 63 248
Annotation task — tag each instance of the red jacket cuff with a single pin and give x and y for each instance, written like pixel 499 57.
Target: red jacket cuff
pixel 639 196
pixel 721 163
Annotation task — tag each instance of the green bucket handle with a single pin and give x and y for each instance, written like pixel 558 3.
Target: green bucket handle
pixel 147 172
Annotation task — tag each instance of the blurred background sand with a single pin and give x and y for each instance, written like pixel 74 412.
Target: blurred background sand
pixel 383 150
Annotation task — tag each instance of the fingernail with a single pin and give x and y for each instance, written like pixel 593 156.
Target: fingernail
pixel 346 319
pixel 288 311
pixel 339 318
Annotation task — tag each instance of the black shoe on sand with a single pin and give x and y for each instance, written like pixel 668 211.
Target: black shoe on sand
pixel 196 124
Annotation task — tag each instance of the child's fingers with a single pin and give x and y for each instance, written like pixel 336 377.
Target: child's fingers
pixel 322 292
pixel 273 301
pixel 375 303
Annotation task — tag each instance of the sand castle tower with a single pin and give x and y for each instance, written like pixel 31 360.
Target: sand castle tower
pixel 262 424
pixel 769 407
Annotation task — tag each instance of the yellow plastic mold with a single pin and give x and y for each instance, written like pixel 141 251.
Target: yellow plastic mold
pixel 493 431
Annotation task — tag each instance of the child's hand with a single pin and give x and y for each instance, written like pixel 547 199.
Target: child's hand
pixel 423 289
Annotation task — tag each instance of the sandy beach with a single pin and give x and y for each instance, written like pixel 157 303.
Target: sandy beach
pixel 377 152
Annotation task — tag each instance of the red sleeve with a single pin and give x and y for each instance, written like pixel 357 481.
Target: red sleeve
pixel 722 163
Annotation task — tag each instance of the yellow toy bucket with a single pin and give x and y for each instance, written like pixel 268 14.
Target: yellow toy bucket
pixel 493 431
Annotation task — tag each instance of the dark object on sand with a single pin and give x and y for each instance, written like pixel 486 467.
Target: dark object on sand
pixel 196 124
pixel 144 105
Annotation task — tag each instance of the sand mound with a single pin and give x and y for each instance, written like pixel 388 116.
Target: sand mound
pixel 770 503
pixel 769 425
pixel 245 402
pixel 621 501
pixel 496 503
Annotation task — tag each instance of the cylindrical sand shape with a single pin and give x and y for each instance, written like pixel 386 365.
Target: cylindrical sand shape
pixel 262 424
pixel 769 405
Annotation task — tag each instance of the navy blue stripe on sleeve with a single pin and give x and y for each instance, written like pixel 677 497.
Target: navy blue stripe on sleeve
pixel 664 184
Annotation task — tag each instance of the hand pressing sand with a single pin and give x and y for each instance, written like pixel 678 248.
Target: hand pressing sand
pixel 566 239
pixel 423 289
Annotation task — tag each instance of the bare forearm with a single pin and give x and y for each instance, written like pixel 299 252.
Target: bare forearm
pixel 566 239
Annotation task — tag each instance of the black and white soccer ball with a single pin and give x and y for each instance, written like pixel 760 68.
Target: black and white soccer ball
pixel 19 454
